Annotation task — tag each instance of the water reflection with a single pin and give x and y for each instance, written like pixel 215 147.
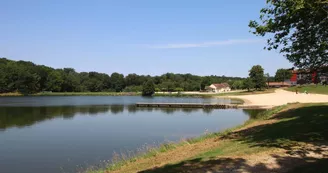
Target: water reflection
pixel 27 116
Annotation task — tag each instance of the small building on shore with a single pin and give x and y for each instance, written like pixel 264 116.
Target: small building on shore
pixel 218 88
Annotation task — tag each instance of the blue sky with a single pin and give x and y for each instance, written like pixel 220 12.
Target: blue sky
pixel 144 37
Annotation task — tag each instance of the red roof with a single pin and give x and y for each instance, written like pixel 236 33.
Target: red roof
pixel 221 85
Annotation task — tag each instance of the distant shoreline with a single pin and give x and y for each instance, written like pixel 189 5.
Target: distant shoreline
pixel 172 94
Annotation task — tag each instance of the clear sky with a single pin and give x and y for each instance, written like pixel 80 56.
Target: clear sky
pixel 137 36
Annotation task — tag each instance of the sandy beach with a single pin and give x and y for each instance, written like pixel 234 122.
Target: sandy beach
pixel 281 97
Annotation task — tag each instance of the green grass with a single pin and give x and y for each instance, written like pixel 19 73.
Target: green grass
pixel 230 148
pixel 320 89
pixel 10 94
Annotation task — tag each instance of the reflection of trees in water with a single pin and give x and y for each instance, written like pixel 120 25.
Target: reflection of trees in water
pixel 207 111
pixel 132 108
pixel 168 110
pixel 116 109
pixel 189 110
pixel 26 116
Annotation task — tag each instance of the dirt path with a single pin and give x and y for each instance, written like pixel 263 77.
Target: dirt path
pixel 281 97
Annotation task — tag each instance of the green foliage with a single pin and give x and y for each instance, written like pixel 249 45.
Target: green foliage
pixel 167 86
pixel 237 85
pixel 148 88
pixel 71 80
pixel 178 90
pixel 282 75
pixel 30 78
pixel 256 74
pixel 248 84
pixel 205 82
pixel 298 28
pixel 133 89
pixel 157 90
pixel 54 82
pixel 117 82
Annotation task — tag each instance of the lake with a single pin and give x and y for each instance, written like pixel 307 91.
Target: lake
pixel 64 134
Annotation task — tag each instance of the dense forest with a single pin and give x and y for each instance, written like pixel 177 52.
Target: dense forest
pixel 27 77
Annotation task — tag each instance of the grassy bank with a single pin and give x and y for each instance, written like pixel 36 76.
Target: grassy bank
pixel 10 94
pixel 320 89
pixel 286 134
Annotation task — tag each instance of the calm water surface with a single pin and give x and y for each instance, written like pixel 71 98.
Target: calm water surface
pixel 61 134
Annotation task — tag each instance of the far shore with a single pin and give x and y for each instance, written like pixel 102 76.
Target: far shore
pixel 186 93
pixel 266 99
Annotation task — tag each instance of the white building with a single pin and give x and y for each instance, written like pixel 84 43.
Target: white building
pixel 218 88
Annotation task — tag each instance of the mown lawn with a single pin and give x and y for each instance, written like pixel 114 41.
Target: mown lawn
pixel 316 89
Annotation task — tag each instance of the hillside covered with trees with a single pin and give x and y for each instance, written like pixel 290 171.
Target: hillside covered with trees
pixel 27 77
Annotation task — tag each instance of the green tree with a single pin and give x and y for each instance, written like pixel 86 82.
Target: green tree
pixel 27 82
pixel 157 90
pixel 133 89
pixel 28 77
pixel 248 84
pixel 256 74
pixel 168 86
pixel 117 82
pixel 179 90
pixel 43 73
pixel 148 88
pixel 71 80
pixel 297 28
pixel 237 84
pixel 206 81
pixel 134 79
pixel 282 75
pixel 54 81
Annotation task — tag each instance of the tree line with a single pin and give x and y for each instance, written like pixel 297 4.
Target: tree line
pixel 27 77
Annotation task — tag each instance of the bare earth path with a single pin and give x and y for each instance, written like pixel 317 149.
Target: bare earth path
pixel 281 97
